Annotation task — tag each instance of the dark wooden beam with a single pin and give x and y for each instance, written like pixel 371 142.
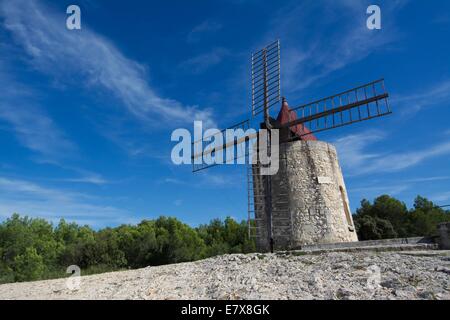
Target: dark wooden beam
pixel 333 111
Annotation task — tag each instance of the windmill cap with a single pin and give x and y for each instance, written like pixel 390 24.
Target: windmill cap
pixel 286 115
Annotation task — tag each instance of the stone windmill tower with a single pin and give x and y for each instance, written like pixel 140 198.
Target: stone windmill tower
pixel 305 201
pixel 309 202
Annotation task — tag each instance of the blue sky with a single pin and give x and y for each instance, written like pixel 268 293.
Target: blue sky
pixel 86 116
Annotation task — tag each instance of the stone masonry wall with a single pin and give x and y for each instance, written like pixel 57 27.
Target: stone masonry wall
pixel 309 199
pixel 318 199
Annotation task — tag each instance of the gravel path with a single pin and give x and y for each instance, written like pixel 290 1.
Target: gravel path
pixel 332 275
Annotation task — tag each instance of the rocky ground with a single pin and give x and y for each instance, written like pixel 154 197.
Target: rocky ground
pixel 331 275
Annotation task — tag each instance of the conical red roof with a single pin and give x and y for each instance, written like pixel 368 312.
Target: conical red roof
pixel 287 115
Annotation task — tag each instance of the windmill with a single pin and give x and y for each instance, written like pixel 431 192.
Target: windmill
pixel 305 201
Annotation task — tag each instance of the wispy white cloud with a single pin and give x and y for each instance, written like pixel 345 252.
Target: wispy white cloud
pixel 427 179
pixel 435 95
pixel 394 187
pixel 93 60
pixel 313 48
pixel 91 179
pixel 353 149
pixel 216 180
pixel 206 180
pixel 30 123
pixel 173 181
pixel 83 176
pixel 391 190
pixel 29 198
pixel 204 61
pixel 441 197
pixel 357 160
pixel 36 131
pixel 206 27
pixel 397 162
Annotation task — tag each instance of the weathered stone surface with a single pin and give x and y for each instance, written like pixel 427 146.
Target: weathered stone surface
pixel 333 275
pixel 309 199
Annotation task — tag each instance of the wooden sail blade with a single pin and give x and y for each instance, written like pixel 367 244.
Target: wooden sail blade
pixel 265 94
pixel 232 147
pixel 266 78
pixel 355 105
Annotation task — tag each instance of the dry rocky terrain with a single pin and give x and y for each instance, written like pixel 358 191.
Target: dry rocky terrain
pixel 329 275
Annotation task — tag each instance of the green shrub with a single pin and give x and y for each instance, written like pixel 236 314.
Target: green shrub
pixel 28 266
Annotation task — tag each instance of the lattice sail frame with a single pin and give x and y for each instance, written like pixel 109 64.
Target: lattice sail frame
pixel 266 79
pixel 355 105
pixel 265 94
pixel 242 147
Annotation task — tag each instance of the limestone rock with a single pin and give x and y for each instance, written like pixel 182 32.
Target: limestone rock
pixel 330 275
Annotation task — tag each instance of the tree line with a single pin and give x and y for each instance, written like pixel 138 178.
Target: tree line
pixel 388 218
pixel 33 249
